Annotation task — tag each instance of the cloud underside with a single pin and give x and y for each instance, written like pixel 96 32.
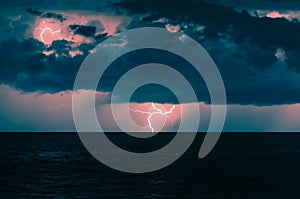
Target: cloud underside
pixel 258 57
pixel 57 114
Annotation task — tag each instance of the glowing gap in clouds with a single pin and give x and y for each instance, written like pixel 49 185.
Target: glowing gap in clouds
pixel 156 111
pixel 43 30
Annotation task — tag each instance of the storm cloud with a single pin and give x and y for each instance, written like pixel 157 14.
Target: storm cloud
pixel 87 31
pixel 46 14
pixel 255 45
pixel 258 57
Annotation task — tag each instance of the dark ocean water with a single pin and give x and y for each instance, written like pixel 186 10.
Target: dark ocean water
pixel 45 165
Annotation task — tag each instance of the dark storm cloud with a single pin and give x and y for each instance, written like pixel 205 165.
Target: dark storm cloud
pixel 15 57
pixel 24 66
pixel 34 12
pixel 53 15
pixel 61 47
pixel 265 32
pixel 46 15
pixel 243 47
pixel 100 37
pixel 260 4
pixel 95 5
pixel 294 59
pixel 87 31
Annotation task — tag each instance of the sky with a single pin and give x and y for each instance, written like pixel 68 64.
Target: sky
pixel 254 43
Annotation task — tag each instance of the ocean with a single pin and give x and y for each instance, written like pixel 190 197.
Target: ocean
pixel 242 165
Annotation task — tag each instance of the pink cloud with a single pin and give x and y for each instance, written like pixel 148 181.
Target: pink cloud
pixel 48 30
pixel 73 53
pixel 289 15
pixel 140 116
pixel 172 28
pixel 53 112
pixel 276 14
pixel 39 112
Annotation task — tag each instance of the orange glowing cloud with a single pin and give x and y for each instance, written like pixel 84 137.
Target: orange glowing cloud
pixel 276 14
pixel 75 52
pixel 289 15
pixel 140 113
pixel 53 112
pixel 48 33
pixel 47 30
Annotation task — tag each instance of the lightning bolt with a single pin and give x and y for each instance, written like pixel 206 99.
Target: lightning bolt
pixel 43 30
pixel 157 111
